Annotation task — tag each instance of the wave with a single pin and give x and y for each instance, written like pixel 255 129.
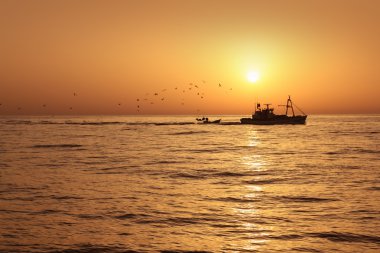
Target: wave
pixel 189 132
pixel 91 248
pixel 230 174
pixel 94 123
pixel 184 251
pixel 304 199
pixel 264 181
pixel 232 199
pixel 346 237
pixel 186 175
pixel 286 237
pixel 65 197
pixel 126 216
pixel 374 188
pixel 56 146
pixel 303 249
pixel 161 162
pixel 90 216
pixel 354 150
pixel 16 122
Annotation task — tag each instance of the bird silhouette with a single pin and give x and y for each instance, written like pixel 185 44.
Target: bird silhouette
pixel 74 94
pixel 156 94
pixel 137 100
pixel 220 85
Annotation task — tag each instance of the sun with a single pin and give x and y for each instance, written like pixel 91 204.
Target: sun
pixel 253 76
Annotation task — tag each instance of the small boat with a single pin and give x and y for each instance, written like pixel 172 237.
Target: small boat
pixel 266 116
pixel 206 121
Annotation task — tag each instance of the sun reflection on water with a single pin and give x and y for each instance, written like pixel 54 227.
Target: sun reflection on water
pixel 248 211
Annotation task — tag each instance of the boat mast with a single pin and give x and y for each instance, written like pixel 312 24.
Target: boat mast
pixel 289 104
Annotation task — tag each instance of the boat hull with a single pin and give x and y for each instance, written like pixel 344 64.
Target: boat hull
pixel 212 122
pixel 275 121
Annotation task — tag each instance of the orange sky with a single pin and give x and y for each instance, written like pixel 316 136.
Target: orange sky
pixel 326 54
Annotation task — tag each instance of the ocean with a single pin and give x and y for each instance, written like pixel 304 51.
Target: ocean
pixel 164 184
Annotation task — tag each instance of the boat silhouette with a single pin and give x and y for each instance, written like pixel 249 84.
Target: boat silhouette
pixel 266 116
pixel 206 121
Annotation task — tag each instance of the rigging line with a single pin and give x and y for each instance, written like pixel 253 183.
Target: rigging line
pixel 299 109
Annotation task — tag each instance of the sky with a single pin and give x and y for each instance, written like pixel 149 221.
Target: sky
pixel 112 57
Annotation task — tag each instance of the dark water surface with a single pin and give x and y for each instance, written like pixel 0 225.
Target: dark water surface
pixel 163 184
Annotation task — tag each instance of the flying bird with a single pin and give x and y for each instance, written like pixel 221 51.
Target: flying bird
pixel 156 94
pixel 74 94
pixel 220 85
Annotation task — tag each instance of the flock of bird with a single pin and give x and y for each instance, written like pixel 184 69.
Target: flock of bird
pixel 151 98
pixel 154 97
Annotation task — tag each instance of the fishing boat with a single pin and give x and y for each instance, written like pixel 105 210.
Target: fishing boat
pixel 206 121
pixel 266 116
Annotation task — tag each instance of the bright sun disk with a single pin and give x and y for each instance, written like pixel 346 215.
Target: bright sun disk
pixel 253 76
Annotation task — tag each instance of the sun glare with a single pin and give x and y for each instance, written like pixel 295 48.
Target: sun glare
pixel 253 76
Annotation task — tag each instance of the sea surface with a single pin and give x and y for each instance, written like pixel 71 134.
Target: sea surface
pixel 165 184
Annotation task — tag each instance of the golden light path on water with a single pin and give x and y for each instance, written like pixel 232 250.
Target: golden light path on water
pixel 255 164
